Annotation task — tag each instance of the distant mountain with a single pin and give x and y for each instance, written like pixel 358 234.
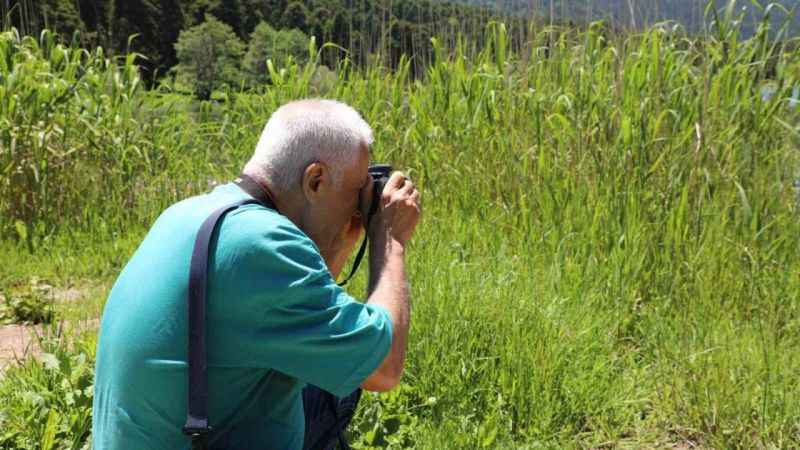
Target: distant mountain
pixel 640 13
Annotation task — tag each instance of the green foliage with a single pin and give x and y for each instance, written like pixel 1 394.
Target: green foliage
pixel 65 114
pixel 364 29
pixel 30 303
pixel 32 16
pixel 389 420
pixel 47 401
pixel 155 25
pixel 377 29
pixel 209 55
pixel 278 46
pixel 608 256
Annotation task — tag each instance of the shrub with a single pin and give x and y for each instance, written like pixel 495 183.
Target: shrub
pixel 47 401
pixel 280 46
pixel 208 57
pixel 31 303
pixel 65 117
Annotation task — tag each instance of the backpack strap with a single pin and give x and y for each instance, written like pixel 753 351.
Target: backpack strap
pixel 197 426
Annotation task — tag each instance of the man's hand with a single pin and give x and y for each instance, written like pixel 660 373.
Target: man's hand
pixel 398 211
pixel 390 230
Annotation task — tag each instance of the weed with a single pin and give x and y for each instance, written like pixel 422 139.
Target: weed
pixel 47 401
pixel 30 303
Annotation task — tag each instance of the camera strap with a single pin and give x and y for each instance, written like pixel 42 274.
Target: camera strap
pixel 357 261
pixel 360 255
pixel 197 426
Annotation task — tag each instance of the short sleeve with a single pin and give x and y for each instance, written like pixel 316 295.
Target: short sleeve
pixel 274 304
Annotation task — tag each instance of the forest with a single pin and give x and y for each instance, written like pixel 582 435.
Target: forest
pixel 360 27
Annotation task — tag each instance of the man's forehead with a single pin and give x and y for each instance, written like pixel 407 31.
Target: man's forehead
pixel 358 169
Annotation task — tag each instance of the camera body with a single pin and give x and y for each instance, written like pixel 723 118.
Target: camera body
pixel 380 176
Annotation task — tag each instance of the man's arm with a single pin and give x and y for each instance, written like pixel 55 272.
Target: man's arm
pixel 388 285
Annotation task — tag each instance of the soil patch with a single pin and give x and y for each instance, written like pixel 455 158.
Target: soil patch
pixel 16 343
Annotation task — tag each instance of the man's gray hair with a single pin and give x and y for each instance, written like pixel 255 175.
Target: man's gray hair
pixel 306 131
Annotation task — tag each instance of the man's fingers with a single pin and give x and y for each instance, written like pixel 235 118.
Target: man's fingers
pixel 396 180
pixel 407 188
pixel 414 198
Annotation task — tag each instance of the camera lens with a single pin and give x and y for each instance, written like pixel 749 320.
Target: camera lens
pixel 380 175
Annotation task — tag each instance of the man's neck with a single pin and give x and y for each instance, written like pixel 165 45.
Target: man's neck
pixel 286 202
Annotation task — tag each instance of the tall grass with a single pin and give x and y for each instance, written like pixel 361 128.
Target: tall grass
pixel 609 254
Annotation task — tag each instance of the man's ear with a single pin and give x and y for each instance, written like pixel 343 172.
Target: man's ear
pixel 316 181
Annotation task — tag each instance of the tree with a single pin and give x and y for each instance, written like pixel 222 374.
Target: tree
pixel 230 12
pixel 33 16
pixel 267 43
pixel 171 22
pixel 241 15
pixel 61 15
pixel 208 57
pixel 156 24
pixel 95 17
pixel 296 15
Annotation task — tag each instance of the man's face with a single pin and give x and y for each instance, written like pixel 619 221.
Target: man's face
pixel 334 217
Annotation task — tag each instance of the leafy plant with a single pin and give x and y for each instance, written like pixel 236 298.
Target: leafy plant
pixel 209 56
pixel 282 47
pixel 65 114
pixel 47 401
pixel 31 303
pixel 388 420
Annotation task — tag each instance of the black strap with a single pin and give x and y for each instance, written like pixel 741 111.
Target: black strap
pixel 360 255
pixel 357 261
pixel 197 426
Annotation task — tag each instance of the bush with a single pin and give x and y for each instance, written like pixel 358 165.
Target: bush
pixel 31 303
pixel 47 401
pixel 65 114
pixel 208 57
pixel 280 46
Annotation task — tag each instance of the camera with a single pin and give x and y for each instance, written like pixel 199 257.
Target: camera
pixel 380 176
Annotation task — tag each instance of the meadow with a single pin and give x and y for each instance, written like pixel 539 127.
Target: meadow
pixel 609 256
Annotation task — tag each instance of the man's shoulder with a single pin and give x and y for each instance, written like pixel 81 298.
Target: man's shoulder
pixel 248 221
pixel 253 233
pixel 255 225
pixel 249 239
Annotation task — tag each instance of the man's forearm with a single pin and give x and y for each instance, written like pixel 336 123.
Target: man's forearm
pixel 388 287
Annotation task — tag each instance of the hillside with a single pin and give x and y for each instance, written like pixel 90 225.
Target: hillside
pixel 639 13
pixel 361 27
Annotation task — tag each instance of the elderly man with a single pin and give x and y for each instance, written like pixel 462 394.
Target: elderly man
pixel 287 349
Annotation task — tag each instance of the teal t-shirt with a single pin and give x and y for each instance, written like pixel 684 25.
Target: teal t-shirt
pixel 276 320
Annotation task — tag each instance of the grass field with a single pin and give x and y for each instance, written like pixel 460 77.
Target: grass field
pixel 609 258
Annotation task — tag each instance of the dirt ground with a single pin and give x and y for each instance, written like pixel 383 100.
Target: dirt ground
pixel 16 342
